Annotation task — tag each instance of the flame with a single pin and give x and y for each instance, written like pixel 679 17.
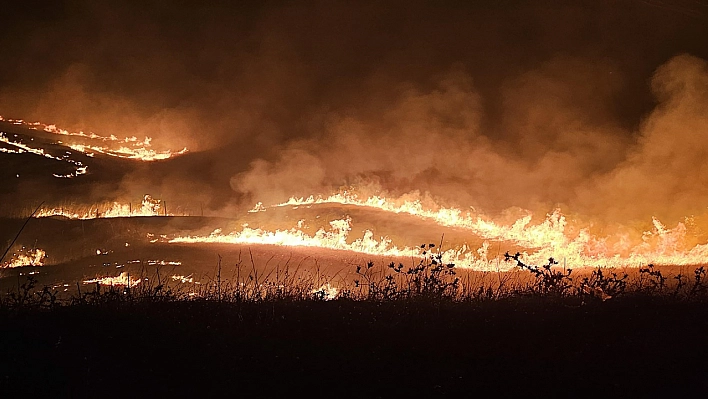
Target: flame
pixel 122 279
pixel 326 292
pixel 335 239
pixel 521 232
pixel 149 207
pixel 183 279
pixel 79 168
pixel 142 154
pixel 34 257
pixel 163 263
pixel 552 237
pixel 127 148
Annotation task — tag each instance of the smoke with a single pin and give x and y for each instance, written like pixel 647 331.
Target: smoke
pixel 560 146
pixel 664 172
pixel 587 106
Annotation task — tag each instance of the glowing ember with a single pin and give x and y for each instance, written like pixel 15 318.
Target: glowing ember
pixel 123 279
pixel 162 263
pixel 183 279
pixel 34 257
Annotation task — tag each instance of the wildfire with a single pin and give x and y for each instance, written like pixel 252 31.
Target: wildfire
pixel 521 232
pixel 336 238
pixel 123 279
pixel 127 148
pixel 140 153
pixel 552 237
pixel 21 148
pixel 149 207
pixel 34 257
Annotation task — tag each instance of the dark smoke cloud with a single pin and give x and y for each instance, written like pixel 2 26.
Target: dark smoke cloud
pixel 594 106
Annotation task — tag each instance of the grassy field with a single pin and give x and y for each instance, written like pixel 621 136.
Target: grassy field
pixel 418 333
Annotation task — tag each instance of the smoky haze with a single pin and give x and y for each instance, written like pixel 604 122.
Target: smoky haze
pixel 598 107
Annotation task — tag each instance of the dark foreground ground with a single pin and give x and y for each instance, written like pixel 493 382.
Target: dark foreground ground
pixel 523 347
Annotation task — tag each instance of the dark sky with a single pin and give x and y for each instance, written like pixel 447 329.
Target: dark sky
pixel 491 104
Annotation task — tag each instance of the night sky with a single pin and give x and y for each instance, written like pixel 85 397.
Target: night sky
pixel 600 107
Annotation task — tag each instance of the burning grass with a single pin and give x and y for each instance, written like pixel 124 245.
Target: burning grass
pixel 91 144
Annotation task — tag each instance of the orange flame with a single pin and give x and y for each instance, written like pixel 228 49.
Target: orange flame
pixel 80 168
pixel 34 257
pixel 550 238
pixel 123 279
pixel 127 148
pixel 336 239
pixel 149 207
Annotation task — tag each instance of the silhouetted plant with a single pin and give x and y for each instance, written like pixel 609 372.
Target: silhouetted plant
pixel 654 279
pixel 604 287
pixel 370 279
pixel 698 286
pixel 547 280
pixel 431 278
pixel 680 283
pixel 26 297
pixel 23 296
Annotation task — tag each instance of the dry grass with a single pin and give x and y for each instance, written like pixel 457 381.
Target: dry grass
pixel 431 280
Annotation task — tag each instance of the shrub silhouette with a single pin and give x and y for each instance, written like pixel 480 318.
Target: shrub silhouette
pixel 604 287
pixel 547 280
pixel 430 279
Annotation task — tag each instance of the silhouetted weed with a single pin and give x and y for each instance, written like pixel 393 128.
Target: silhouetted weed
pixel 602 286
pixel 430 280
pixel 547 280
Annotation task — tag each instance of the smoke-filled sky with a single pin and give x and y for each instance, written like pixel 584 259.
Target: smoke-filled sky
pixel 598 106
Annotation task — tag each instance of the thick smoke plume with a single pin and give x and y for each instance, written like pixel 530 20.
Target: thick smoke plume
pixel 560 150
pixel 596 107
